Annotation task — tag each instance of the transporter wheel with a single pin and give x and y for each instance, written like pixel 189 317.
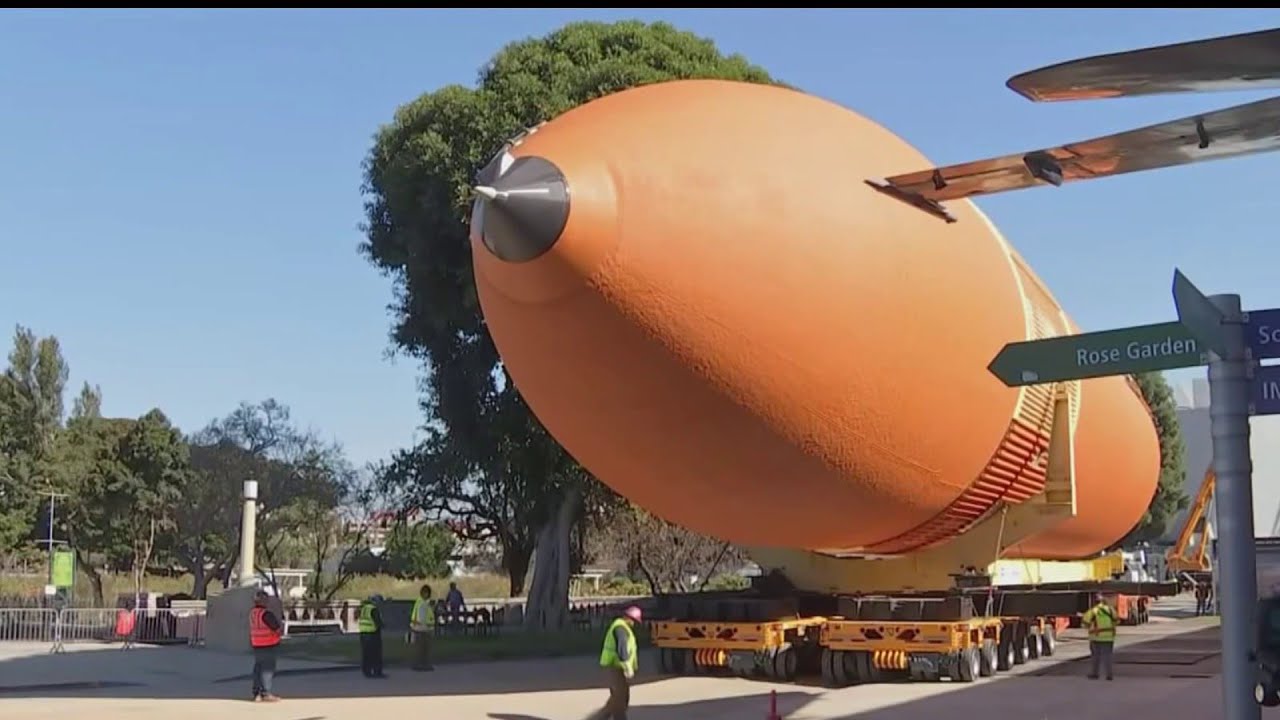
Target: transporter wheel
pixel 784 664
pixel 1005 656
pixel 1033 643
pixel 666 663
pixel 867 670
pixel 1019 643
pixel 1049 640
pixel 1264 693
pixel 968 665
pixel 829 662
pixel 987 658
pixel 852 665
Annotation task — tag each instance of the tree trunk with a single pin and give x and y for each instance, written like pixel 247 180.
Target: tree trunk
pixel 548 605
pixel 515 559
pixel 198 581
pixel 95 578
pixel 195 563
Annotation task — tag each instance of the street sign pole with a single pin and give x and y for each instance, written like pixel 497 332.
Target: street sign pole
pixel 1210 330
pixel 1229 394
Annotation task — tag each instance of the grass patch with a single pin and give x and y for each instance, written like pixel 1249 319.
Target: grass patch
pixel 510 645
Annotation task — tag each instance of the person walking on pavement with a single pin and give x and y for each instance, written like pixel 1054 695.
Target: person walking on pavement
pixel 422 621
pixel 456 605
pixel 619 660
pixel 1100 620
pixel 370 626
pixel 265 630
pixel 1201 598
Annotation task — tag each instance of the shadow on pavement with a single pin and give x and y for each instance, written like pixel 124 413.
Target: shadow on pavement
pixel 1174 677
pixel 748 707
pixel 182 672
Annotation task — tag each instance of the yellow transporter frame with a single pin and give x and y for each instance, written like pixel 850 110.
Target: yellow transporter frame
pixel 851 650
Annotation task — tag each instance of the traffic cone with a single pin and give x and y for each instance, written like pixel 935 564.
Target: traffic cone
pixel 773 706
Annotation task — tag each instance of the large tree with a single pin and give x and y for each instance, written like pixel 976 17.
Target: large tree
pixel 123 480
pixel 1170 497
pixel 31 408
pixel 254 442
pixel 417 180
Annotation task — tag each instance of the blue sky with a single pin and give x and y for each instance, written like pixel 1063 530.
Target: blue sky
pixel 180 191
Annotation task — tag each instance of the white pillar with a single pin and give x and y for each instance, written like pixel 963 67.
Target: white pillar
pixel 248 533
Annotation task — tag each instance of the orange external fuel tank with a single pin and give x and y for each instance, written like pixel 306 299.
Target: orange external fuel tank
pixel 700 297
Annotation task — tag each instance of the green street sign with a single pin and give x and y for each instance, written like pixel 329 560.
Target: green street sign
pixel 1202 319
pixel 1142 348
pixel 63 571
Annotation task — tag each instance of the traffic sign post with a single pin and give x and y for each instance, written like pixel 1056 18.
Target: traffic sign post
pixel 1214 331
pixel 1219 318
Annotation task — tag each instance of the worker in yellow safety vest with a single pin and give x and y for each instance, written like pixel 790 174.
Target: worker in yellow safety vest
pixel 370 626
pixel 422 621
pixel 619 660
pixel 1100 621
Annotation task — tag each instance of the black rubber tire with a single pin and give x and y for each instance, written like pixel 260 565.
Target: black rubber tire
pixel 1033 644
pixel 666 664
pixel 1265 694
pixel 969 665
pixel 867 669
pixel 840 669
pixel 1020 644
pixel 1049 640
pixel 987 658
pixel 853 667
pixel 1005 656
pixel 827 664
pixel 785 663
pixel 771 664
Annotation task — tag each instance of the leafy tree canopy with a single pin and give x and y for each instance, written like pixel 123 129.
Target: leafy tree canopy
pixel 1170 497
pixel 419 551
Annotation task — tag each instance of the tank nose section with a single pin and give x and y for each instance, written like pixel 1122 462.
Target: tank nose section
pixel 520 213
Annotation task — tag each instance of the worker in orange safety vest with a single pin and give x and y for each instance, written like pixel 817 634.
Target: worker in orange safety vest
pixel 265 630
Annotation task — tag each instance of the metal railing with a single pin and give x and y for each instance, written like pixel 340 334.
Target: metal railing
pixel 185 624
pixel 160 626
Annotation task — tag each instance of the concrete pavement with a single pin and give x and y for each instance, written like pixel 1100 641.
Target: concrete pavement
pixel 1168 665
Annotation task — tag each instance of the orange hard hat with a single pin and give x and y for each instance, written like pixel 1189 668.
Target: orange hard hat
pixel 634 613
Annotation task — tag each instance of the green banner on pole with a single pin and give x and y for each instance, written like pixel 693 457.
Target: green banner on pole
pixel 63 574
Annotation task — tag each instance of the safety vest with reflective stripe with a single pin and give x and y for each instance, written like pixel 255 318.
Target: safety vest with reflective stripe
pixel 609 655
pixel 1101 621
pixel 431 612
pixel 260 634
pixel 366 623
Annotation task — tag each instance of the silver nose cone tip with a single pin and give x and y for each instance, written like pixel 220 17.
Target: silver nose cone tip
pixel 520 214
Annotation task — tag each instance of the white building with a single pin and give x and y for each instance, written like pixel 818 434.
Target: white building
pixel 1193 413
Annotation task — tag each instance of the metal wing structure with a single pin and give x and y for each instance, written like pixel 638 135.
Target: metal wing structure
pixel 1237 62
pixel 1250 61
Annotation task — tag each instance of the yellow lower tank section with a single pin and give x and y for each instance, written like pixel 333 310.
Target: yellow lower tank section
pixel 815 572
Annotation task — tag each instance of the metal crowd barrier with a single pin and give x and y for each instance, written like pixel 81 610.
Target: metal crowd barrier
pixel 161 626
pixel 27 624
